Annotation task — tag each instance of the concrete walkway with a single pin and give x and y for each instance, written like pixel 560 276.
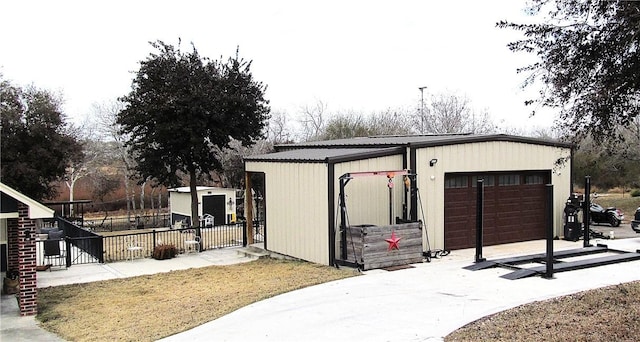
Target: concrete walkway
pixel 423 303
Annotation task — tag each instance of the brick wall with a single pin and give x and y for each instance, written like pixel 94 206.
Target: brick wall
pixel 26 236
pixel 12 244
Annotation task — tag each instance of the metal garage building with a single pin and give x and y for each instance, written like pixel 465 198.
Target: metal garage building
pixel 302 185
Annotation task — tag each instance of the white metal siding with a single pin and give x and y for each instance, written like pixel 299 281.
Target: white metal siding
pixel 296 209
pixel 484 157
pixel 180 203
pixel 367 198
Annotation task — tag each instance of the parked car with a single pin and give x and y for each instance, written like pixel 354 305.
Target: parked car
pixel 635 223
pixel 610 215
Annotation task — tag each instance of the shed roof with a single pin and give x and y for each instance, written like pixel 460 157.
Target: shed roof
pixel 419 141
pixel 325 155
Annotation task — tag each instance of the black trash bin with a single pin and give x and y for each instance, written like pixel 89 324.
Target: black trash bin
pixel 572 218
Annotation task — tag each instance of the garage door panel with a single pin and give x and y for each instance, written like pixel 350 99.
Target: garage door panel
pixel 512 213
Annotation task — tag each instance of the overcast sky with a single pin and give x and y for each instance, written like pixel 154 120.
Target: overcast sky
pixel 352 55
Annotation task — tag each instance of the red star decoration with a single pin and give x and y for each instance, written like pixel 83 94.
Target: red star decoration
pixel 393 242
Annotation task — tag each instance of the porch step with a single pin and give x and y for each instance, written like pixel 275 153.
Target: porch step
pixel 253 252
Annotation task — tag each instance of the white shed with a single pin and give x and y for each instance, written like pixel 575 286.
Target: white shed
pixel 217 202
pixel 302 186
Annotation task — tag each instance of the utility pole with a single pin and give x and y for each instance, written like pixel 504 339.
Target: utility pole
pixel 422 109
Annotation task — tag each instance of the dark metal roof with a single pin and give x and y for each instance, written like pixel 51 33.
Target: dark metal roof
pixel 418 141
pixel 325 155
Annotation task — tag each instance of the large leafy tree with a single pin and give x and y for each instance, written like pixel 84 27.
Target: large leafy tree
pixel 37 144
pixel 588 63
pixel 182 106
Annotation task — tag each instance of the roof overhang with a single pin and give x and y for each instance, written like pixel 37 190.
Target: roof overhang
pixel 36 209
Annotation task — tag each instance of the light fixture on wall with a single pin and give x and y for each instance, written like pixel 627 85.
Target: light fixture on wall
pixel 230 204
pixel 433 162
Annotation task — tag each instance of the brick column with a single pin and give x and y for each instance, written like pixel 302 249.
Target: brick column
pixel 12 244
pixel 28 294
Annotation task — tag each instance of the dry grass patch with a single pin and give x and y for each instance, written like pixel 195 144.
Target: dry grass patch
pixel 147 308
pixel 627 204
pixel 606 314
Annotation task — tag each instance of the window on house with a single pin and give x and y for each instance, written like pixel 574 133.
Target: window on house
pixel 488 180
pixel 507 180
pixel 456 182
pixel 534 179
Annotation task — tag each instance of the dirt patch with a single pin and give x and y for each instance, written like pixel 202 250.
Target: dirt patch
pixel 147 308
pixel 606 314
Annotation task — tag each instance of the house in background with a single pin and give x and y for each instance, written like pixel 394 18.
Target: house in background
pixel 217 202
pixel 302 187
pixel 19 216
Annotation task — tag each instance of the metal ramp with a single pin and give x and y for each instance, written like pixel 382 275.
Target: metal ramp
pixel 558 264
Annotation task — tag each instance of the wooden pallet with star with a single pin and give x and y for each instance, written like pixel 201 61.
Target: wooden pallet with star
pixel 374 247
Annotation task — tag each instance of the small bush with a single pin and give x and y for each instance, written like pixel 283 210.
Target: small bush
pixel 161 252
pixel 635 193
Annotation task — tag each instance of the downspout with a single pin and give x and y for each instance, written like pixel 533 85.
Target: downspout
pixel 330 211
pixel 413 212
pixel 405 210
pixel 571 174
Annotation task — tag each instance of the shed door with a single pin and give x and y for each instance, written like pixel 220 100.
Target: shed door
pixel 514 208
pixel 214 205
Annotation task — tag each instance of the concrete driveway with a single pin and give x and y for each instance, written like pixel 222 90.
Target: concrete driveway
pixel 423 303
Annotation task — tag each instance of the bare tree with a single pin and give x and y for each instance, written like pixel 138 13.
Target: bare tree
pixel 278 130
pixel 105 114
pixel 390 122
pixel 351 124
pixel 103 184
pixel 451 113
pixel 313 120
pixel 232 159
pixel 541 132
pixel 86 162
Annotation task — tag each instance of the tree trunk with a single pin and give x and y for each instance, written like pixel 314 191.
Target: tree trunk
pixel 144 184
pixel 195 219
pixel 151 201
pixel 127 191
pixel 71 185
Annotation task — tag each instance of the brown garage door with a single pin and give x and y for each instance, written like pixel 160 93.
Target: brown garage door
pixel 514 208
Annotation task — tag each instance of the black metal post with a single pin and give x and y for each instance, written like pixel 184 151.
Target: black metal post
pixel 67 245
pixel 244 234
pixel 586 210
pixel 101 249
pixel 343 220
pixel 549 258
pixel 390 186
pixel 479 219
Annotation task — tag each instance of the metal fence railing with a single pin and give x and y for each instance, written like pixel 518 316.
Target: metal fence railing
pixel 126 246
pixel 68 251
pixel 111 224
pixel 81 246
